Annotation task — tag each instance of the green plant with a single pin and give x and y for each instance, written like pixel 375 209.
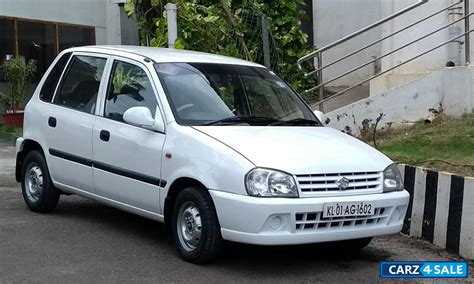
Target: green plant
pixel 17 74
pixel 121 79
pixel 13 130
pixel 222 27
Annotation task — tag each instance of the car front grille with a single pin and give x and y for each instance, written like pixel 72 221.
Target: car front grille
pixel 314 183
pixel 314 221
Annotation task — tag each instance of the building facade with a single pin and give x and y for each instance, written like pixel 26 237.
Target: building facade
pixel 41 29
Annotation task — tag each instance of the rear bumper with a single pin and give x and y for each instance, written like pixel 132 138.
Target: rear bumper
pixel 20 142
pixel 288 221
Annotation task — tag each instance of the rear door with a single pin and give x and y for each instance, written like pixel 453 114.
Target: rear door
pixel 69 120
pixel 127 158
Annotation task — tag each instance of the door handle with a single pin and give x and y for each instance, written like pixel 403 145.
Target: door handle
pixel 52 121
pixel 104 135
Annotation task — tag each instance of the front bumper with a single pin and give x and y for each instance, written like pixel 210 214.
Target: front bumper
pixel 290 221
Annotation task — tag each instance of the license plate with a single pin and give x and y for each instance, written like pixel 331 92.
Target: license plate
pixel 348 209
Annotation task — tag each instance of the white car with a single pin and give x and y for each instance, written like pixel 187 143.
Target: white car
pixel 217 148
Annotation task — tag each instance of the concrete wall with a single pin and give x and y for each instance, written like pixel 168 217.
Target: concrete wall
pixel 429 62
pixel 432 61
pixel 104 15
pixel 334 19
pixel 449 89
pixel 441 209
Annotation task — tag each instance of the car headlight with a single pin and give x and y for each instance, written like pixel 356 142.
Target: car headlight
pixel 270 183
pixel 392 179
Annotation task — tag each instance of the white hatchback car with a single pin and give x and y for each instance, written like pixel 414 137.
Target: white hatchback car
pixel 217 148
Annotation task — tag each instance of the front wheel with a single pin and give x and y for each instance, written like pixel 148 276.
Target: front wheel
pixel 196 229
pixel 354 245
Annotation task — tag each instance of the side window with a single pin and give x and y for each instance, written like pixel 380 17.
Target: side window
pixel 80 85
pixel 49 86
pixel 129 86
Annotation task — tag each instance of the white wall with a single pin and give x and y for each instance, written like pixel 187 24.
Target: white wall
pixel 334 19
pixel 432 61
pixel 102 14
pixel 449 89
pixel 429 62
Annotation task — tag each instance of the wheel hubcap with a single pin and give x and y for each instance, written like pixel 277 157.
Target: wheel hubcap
pixel 34 182
pixel 189 226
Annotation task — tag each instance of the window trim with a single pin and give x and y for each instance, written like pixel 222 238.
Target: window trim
pixel 66 69
pixel 60 77
pixel 48 73
pixel 101 111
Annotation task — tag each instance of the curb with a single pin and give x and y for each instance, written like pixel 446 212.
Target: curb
pixel 441 209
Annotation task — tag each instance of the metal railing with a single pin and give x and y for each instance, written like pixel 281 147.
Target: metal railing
pixel 318 54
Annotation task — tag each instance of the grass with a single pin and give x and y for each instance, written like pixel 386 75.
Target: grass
pixel 12 130
pixel 446 144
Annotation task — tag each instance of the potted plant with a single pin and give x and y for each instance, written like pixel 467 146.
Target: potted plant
pixel 18 73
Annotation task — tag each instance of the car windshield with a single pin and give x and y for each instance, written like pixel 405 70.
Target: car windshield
pixel 223 94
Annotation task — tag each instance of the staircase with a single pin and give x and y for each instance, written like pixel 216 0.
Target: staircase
pixel 356 94
pixel 336 99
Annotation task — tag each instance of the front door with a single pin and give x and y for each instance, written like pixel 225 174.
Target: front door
pixel 127 158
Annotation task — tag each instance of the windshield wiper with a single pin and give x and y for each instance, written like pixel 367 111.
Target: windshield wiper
pixel 297 121
pixel 241 119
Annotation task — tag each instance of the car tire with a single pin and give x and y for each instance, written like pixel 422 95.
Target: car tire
pixel 38 191
pixel 195 226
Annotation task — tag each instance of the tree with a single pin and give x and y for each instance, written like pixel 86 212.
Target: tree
pixel 222 27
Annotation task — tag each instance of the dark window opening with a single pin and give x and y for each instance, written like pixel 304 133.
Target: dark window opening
pixel 7 42
pixel 41 41
pixel 37 41
pixel 70 36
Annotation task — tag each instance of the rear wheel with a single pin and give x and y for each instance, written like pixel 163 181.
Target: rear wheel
pixel 38 191
pixel 196 229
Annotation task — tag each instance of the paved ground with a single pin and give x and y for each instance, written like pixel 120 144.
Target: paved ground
pixel 83 241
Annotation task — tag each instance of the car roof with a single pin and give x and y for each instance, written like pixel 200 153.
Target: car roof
pixel 166 55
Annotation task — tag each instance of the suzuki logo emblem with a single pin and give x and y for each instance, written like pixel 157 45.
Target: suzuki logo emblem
pixel 342 183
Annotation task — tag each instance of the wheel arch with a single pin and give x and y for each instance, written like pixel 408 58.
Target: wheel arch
pixel 28 146
pixel 175 188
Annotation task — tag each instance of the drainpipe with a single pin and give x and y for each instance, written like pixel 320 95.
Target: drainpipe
pixel 454 48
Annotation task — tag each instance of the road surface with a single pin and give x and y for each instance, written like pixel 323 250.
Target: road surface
pixel 86 242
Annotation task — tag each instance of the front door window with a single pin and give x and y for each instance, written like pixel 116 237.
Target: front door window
pixel 129 86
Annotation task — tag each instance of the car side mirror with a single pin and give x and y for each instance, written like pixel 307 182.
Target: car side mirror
pixel 141 116
pixel 320 115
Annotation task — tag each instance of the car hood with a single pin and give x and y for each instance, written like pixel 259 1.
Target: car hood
pixel 300 150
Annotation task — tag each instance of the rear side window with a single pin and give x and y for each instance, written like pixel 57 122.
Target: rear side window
pixel 80 85
pixel 47 91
